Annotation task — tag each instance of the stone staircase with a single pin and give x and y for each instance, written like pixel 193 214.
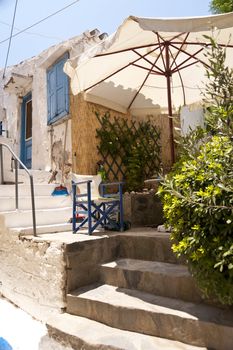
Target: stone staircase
pixel 125 290
pixel 159 278
pixel 142 299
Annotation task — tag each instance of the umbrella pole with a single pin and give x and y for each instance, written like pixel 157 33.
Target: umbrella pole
pixel 169 101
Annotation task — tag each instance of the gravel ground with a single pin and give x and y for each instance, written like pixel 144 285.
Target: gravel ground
pixel 21 332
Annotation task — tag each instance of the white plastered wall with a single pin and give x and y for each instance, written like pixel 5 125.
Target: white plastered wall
pixel 43 135
pixel 191 117
pixel 32 273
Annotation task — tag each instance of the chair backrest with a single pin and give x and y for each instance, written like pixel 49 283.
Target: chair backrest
pixel 96 180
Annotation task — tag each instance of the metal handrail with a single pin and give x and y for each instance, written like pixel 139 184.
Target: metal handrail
pixel 18 161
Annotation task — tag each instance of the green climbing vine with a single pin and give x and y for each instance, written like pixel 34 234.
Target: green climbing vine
pixel 129 150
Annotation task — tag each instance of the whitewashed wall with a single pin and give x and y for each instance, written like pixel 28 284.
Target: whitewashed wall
pixel 43 136
pixel 32 273
pixel 191 117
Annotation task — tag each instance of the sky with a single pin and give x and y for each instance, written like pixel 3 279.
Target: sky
pixel 106 15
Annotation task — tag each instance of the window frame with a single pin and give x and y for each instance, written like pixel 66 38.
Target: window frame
pixel 65 111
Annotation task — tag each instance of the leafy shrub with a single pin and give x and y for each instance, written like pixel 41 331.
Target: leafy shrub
pixel 221 6
pixel 198 193
pixel 198 203
pixel 218 95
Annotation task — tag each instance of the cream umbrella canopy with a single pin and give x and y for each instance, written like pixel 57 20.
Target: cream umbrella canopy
pixel 149 63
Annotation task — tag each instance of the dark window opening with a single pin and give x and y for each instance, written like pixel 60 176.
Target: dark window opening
pixel 28 120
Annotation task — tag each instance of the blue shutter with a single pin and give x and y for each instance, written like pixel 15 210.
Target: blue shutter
pixel 58 88
pixel 51 96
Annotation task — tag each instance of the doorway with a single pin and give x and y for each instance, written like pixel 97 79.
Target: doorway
pixel 26 131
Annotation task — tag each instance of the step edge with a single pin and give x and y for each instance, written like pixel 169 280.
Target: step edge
pixel 224 323
pixel 53 325
pixel 26 211
pixel 148 262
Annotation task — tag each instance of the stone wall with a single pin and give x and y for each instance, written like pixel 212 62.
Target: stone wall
pixel 84 259
pixel 84 141
pixel 33 72
pixel 6 155
pixel 162 123
pixel 143 209
pixel 32 273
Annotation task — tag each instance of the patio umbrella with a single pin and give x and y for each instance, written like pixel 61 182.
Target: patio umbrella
pixel 150 63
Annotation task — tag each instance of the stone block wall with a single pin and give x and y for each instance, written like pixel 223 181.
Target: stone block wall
pixel 83 260
pixel 84 141
pixel 143 209
pixel 161 121
pixel 32 273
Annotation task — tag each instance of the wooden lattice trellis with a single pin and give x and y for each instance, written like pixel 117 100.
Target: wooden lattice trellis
pixel 128 148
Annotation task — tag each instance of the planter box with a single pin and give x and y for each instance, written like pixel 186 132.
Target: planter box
pixel 143 208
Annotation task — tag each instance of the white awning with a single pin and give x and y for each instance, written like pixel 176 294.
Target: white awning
pixel 133 67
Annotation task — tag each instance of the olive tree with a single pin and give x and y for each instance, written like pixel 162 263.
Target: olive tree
pixel 221 6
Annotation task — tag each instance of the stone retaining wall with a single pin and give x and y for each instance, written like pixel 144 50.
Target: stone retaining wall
pixel 143 209
pixel 84 259
pixel 84 141
pixel 32 273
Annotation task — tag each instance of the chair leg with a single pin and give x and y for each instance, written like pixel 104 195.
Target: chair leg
pixel 89 208
pixel 121 209
pixel 104 209
pixel 121 217
pixel 74 209
pixel 89 222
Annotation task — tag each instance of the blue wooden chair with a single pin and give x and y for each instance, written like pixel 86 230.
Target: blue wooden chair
pixel 94 205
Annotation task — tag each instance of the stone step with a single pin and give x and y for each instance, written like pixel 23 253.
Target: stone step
pixel 82 333
pixel 25 190
pixel 165 279
pixel 23 218
pixel 147 245
pixel 41 202
pixel 194 324
pixel 39 176
pixel 42 229
pixel 112 246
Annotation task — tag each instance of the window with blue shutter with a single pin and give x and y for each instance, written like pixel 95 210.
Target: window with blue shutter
pixel 57 91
